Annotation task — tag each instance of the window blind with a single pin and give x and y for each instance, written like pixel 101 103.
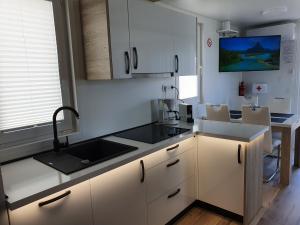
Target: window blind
pixel 30 88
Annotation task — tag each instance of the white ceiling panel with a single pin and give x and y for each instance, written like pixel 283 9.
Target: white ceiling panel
pixel 242 12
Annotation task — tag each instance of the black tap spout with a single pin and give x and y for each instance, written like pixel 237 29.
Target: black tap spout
pixel 56 144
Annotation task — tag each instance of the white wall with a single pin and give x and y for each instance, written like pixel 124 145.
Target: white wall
pixel 109 106
pixel 218 88
pixel 283 83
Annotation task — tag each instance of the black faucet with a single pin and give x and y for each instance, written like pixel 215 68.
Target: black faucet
pixel 56 144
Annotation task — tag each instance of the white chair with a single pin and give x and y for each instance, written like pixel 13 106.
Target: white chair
pixel 262 116
pixel 280 105
pixel 218 113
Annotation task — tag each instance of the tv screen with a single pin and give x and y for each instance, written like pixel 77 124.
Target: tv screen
pixel 249 54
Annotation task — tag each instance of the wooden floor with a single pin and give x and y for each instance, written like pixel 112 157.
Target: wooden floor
pixel 197 216
pixel 284 210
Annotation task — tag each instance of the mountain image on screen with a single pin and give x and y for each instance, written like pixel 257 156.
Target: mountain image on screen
pixel 250 54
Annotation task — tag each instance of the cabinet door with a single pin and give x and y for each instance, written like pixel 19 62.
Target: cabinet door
pixel 221 174
pixel 184 29
pixel 119 196
pixel 150 37
pixel 73 209
pixel 119 38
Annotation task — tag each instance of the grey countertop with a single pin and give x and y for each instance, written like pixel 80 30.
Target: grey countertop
pixel 28 180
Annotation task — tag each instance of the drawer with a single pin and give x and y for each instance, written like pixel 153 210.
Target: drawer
pixel 169 205
pixel 68 207
pixel 170 173
pixel 170 152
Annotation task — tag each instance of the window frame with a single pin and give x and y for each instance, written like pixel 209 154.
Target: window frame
pixel 43 132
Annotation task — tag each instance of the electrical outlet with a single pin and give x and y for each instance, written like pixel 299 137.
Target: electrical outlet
pixel 166 87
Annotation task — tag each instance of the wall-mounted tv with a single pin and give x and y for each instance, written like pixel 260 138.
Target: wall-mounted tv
pixel 241 54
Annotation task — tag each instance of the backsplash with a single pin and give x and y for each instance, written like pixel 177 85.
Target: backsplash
pixel 106 107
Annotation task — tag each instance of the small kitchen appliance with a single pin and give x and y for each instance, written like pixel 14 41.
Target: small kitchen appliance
pixel 186 112
pixel 164 111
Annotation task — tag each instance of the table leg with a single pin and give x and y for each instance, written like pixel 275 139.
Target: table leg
pixel 297 148
pixel 286 149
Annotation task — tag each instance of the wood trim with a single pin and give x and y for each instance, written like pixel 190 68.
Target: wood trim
pixel 94 15
pixel 297 148
pixel 3 210
pixel 253 179
pixel 288 136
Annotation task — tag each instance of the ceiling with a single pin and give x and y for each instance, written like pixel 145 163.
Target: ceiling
pixel 242 12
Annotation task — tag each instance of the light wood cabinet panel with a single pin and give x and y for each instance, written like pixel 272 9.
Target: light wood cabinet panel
pixel 96 39
pixel 119 196
pixel 106 39
pixel 74 209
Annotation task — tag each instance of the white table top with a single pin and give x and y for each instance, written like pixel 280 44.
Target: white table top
pixel 293 121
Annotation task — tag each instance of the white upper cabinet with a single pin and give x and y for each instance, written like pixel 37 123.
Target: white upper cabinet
pixel 150 37
pixel 125 37
pixel 119 39
pixel 119 196
pixel 184 33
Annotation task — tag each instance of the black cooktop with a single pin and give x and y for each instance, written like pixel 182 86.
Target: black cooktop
pixel 152 133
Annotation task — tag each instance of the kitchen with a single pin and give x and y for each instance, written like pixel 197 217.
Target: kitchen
pixel 124 58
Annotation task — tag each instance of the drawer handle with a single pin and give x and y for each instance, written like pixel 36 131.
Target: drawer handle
pixel 143 171
pixel 173 163
pixel 41 204
pixel 239 154
pixel 177 64
pixel 172 148
pixel 175 193
pixel 135 58
pixel 127 63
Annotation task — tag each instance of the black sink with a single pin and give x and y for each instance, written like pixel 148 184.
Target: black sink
pixel 82 155
pixel 100 150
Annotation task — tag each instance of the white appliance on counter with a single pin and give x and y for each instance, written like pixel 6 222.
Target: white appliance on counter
pixel 164 111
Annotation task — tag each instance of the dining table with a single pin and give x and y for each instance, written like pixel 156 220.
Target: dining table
pixel 289 127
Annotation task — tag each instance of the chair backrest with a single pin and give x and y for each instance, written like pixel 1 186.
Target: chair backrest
pixel 249 100
pixel 280 105
pixel 218 113
pixel 260 116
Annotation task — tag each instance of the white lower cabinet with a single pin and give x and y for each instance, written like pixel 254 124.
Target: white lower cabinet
pixel 170 173
pixel 72 207
pixel 170 204
pixel 221 168
pixel 156 188
pixel 119 196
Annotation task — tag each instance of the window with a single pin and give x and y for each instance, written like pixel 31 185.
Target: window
pixel 188 87
pixel 33 84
